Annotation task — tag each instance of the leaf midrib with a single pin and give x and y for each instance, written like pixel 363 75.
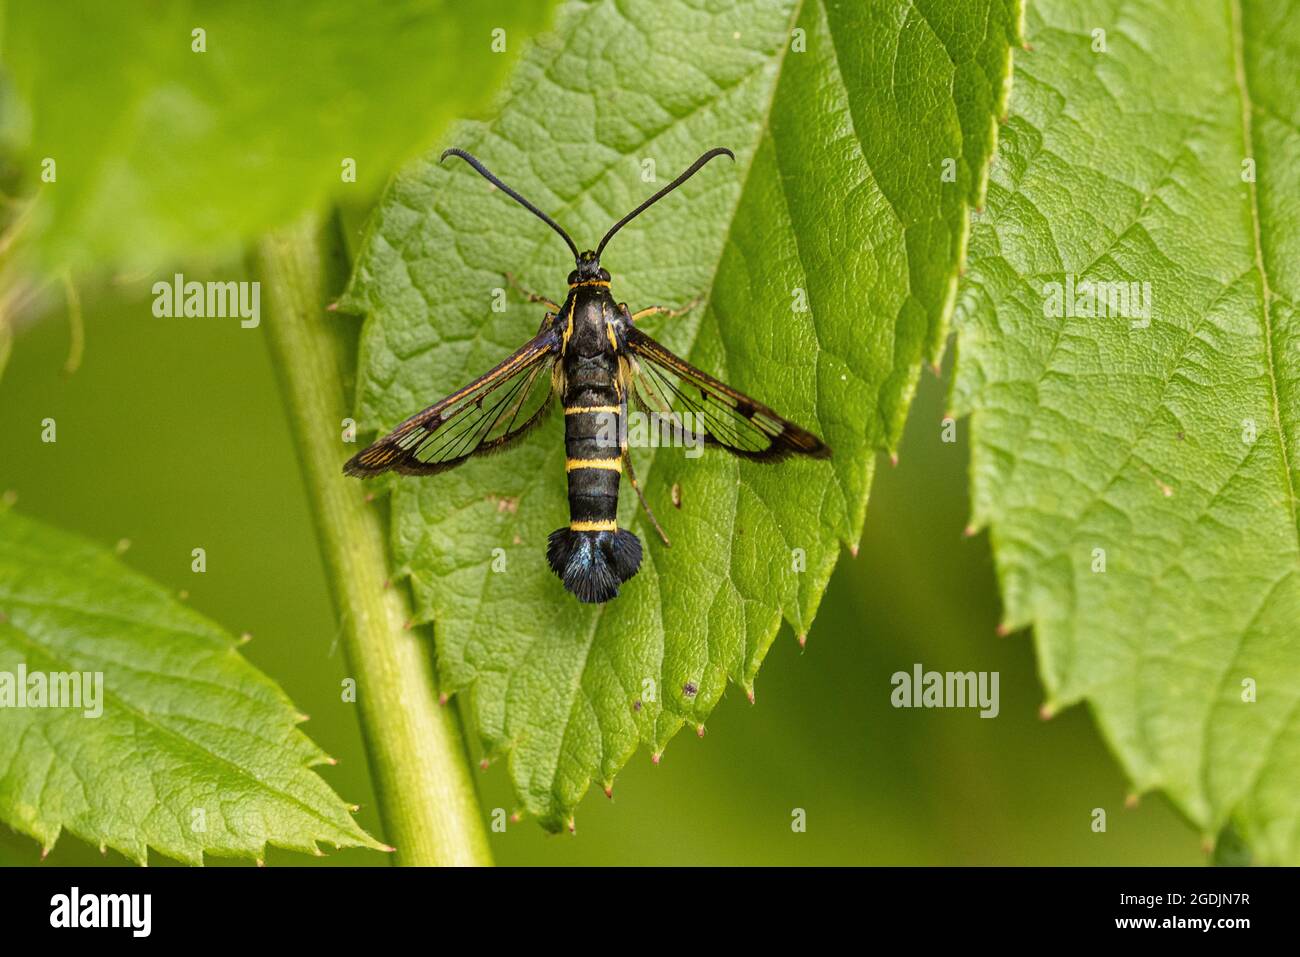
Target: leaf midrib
pixel 1266 291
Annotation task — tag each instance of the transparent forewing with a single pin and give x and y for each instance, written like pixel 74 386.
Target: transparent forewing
pixel 486 415
pixel 679 397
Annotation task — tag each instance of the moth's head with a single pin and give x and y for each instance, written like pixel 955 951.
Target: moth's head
pixel 588 269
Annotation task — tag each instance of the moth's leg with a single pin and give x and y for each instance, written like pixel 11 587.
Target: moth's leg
pixel 631 474
pixel 530 295
pixel 665 310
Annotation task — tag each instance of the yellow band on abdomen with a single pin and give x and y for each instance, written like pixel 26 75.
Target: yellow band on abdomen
pixel 615 464
pixel 604 525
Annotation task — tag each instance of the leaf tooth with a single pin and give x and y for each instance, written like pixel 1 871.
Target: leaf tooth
pixel 1048 710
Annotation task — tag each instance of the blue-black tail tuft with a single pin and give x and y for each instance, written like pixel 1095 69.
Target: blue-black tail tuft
pixel 593 564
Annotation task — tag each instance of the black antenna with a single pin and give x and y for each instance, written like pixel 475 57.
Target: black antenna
pixel 488 175
pixel 694 168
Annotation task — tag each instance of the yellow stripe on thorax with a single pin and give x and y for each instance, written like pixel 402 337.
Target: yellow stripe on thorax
pixel 568 331
pixel 582 409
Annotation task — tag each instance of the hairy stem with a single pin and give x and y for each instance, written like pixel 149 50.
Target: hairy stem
pixel 417 756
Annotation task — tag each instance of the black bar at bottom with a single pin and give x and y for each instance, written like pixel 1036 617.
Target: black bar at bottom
pixel 591 908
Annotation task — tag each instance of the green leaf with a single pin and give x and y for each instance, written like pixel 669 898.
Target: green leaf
pixel 187 748
pixel 841 116
pixel 162 151
pixel 1171 445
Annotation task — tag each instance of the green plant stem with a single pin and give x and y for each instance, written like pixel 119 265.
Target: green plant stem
pixel 418 758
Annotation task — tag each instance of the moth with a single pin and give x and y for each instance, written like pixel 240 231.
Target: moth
pixel 591 354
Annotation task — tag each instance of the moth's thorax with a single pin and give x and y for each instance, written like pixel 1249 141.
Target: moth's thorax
pixel 590 317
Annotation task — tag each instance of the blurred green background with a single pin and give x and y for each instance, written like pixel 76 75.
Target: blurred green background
pixel 172 435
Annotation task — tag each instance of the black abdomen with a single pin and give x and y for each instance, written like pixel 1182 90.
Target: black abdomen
pixel 593 453
pixel 593 556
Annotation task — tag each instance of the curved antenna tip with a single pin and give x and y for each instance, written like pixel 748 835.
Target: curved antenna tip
pixel 492 178
pixel 683 177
